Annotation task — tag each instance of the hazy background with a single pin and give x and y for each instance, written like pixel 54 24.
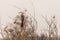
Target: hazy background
pixel 46 8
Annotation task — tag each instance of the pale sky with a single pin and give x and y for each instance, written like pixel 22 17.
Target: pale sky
pixel 42 7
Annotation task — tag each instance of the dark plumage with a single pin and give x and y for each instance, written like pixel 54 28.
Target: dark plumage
pixel 22 19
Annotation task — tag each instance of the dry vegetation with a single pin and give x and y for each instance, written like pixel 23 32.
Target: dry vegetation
pixel 23 28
